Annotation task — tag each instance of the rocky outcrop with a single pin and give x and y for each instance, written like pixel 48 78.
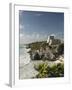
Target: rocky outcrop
pixel 45 55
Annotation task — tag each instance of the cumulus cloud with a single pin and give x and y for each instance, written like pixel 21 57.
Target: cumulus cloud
pixel 29 38
pixel 37 36
pixel 21 35
pixel 21 26
pixel 53 34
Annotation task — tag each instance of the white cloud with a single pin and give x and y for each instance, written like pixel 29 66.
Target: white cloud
pixel 21 35
pixel 28 38
pixel 37 36
pixel 21 27
pixel 53 35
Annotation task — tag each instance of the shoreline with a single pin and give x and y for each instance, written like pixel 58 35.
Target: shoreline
pixel 28 71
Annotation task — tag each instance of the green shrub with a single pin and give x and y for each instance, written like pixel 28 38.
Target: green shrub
pixel 56 70
pixel 42 68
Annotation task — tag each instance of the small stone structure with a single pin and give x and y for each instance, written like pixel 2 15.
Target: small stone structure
pixel 50 39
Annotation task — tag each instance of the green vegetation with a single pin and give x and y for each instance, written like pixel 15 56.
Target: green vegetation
pixel 56 70
pixel 60 49
pixel 37 45
pixel 42 68
pixel 56 41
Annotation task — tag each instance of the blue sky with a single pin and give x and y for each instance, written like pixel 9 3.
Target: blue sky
pixel 37 26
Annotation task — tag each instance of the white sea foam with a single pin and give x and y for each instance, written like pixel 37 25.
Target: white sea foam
pixel 24 56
